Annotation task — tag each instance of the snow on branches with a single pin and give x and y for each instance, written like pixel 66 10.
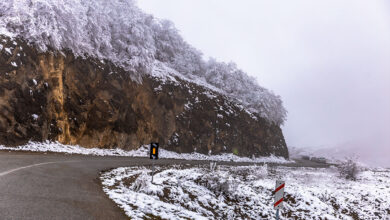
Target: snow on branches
pixel 119 31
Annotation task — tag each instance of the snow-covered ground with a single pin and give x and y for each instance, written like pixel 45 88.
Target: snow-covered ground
pixel 246 193
pixel 143 151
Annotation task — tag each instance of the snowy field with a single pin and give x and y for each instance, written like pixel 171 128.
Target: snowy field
pixel 143 151
pixel 224 192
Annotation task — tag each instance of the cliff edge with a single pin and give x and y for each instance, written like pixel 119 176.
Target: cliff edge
pixel 57 96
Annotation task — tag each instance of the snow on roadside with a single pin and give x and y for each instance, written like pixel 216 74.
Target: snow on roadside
pixel 223 157
pixel 246 193
pixel 74 149
pixel 143 151
pixel 138 205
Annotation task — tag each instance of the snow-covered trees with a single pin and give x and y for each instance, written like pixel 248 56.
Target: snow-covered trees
pixel 115 30
pixel 119 31
pixel 349 169
pixel 238 85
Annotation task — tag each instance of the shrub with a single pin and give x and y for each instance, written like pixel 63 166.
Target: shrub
pixel 141 182
pixel 349 169
pixel 213 166
pixel 250 173
pixel 324 196
pixel 219 184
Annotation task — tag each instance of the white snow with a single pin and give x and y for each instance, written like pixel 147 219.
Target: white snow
pixel 35 116
pixel 75 149
pixel 142 151
pixel 188 106
pixel 142 203
pixel 14 64
pixel 158 89
pixel 163 72
pixel 119 31
pixel 8 50
pixel 246 193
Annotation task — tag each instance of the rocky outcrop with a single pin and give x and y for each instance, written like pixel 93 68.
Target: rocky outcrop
pixel 93 103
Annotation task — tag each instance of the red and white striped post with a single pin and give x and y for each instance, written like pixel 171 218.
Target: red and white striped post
pixel 279 196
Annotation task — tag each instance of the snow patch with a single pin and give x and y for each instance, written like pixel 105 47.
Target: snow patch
pixel 188 106
pixel 158 89
pixel 8 50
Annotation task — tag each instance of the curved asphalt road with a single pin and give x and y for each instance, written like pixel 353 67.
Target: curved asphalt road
pixel 58 186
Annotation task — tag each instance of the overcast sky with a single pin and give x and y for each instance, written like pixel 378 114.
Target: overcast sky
pixel 329 60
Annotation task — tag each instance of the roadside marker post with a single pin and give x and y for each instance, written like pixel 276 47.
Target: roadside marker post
pixel 279 196
pixel 153 154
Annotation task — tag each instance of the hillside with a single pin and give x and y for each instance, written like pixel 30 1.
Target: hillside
pixel 93 103
pixel 108 75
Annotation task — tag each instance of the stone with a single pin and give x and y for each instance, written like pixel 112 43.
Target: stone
pixel 58 97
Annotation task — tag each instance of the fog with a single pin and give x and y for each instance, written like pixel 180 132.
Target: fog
pixel 328 60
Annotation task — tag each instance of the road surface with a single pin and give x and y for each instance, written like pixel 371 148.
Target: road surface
pixel 59 186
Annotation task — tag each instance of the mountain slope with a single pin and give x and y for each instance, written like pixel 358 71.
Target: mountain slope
pixel 105 74
pixel 120 32
pixel 94 103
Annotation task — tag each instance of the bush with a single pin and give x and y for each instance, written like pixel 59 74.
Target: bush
pixel 141 182
pixel 219 184
pixel 213 166
pixel 349 169
pixel 250 173
pixel 324 196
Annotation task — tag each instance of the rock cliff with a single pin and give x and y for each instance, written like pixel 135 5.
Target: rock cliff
pixel 57 96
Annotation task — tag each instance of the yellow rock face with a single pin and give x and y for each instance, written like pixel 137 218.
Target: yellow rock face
pixel 55 96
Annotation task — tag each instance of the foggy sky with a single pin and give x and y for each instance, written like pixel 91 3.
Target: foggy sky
pixel 329 61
